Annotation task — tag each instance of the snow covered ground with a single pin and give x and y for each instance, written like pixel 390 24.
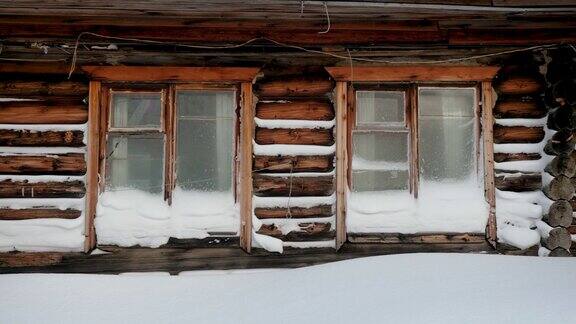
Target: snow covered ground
pixel 417 288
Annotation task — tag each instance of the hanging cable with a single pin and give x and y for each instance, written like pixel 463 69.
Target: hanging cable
pixel 327 19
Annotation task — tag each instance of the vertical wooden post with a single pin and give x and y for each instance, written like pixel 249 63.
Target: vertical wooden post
pixel 412 118
pixel 170 144
pixel 246 138
pixel 489 189
pixel 341 162
pixel 92 165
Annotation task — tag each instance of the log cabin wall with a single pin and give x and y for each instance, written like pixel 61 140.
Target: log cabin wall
pixel 293 163
pixel 42 162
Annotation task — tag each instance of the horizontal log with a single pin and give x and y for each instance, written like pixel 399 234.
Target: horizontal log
pixel 558 237
pixel 295 212
pixel 518 134
pixel 52 189
pixel 24 88
pixel 299 136
pixel 519 183
pixel 294 186
pixel 67 164
pixel 301 163
pixel 42 112
pixel 170 74
pixel 519 107
pixel 509 157
pixel 559 214
pixel 36 213
pixel 520 85
pixel 10 137
pixel 294 87
pixel 430 238
pixel 307 109
pixel 308 232
pixel 562 165
pixel 560 188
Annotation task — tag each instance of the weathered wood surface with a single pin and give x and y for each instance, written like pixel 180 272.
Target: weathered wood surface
pixel 519 107
pixel 509 157
pixel 66 164
pixel 24 88
pixel 313 231
pixel 415 72
pixel 36 213
pixel 303 109
pixel 295 212
pixel 559 214
pixel 559 252
pixel 559 188
pixel 9 137
pixel 419 238
pixel 520 85
pixel 297 86
pixel 558 237
pixel 519 183
pixel 301 136
pixel 42 112
pixel 171 74
pixel 287 164
pixel 562 142
pixel 294 186
pixel 562 118
pixel 562 165
pixel 52 189
pixel 518 134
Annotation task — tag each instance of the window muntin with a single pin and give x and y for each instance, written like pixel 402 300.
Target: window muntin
pixel 136 110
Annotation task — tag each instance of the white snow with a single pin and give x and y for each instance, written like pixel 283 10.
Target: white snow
pixel 407 289
pixel 294 123
pixel 290 149
pixel 134 217
pixel 442 208
pixel 305 202
pixel 20 150
pixel 359 163
pixel 526 122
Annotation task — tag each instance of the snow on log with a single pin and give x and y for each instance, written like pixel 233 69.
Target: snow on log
pixel 510 157
pixel 43 112
pixel 25 189
pixel 36 213
pixel 294 186
pixel 21 88
pixel 302 109
pixel 67 164
pixel 10 137
pixel 560 214
pixel 295 212
pixel 310 163
pixel 302 136
pixel 518 134
pixel 296 86
pixel 309 231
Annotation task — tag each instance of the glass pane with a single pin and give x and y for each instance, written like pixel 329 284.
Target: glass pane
pixel 205 140
pixel 374 180
pixel 447 142
pixel 381 146
pixel 136 162
pixel 136 109
pixel 380 107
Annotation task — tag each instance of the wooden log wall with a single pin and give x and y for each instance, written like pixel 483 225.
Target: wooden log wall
pixel 287 97
pixel 43 147
pixel 561 98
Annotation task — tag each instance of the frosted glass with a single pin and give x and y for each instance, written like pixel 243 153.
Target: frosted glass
pixel 381 146
pixel 136 110
pixel 205 140
pixel 446 139
pixel 135 162
pixel 376 180
pixel 380 107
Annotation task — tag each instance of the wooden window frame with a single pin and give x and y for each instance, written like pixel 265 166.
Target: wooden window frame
pixel 428 75
pixel 170 79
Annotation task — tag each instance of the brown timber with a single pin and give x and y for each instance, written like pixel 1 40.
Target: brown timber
pixel 24 189
pixel 10 137
pixel 518 134
pixel 41 112
pixel 300 163
pixel 301 136
pixel 295 212
pixel 294 87
pixel 35 213
pixel 67 164
pixel 294 185
pixel 305 109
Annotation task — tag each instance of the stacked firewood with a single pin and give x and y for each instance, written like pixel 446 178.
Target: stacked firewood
pixel 561 98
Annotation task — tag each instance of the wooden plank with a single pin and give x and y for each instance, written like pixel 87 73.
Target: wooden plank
pixel 293 185
pixel 517 37
pixel 38 213
pixel 418 238
pixel 519 107
pixel 12 137
pixel 295 212
pixel 509 157
pixel 341 94
pixel 517 134
pixel 93 162
pixel 66 164
pixel 416 72
pixel 309 232
pixel 519 183
pixel 300 136
pixel 300 163
pixel 41 112
pixel 52 189
pixel 26 89
pixel 171 74
pixel 487 137
pixel 306 109
pixel 54 68
pixel 298 86
pixel 246 153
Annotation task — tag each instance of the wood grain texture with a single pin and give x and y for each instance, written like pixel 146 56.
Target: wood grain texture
pixel 519 183
pixel 41 112
pixel 52 189
pixel 488 144
pixel 294 186
pixel 303 109
pixel 295 86
pixel 295 212
pixel 341 95
pixel 65 164
pixel 509 157
pixel 245 165
pixel 418 238
pixel 309 232
pixel 9 137
pixel 516 107
pixel 518 134
pixel 171 74
pixel 25 88
pixel 520 85
pixel 300 136
pixel 38 213
pixel 286 164
pixel 413 73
